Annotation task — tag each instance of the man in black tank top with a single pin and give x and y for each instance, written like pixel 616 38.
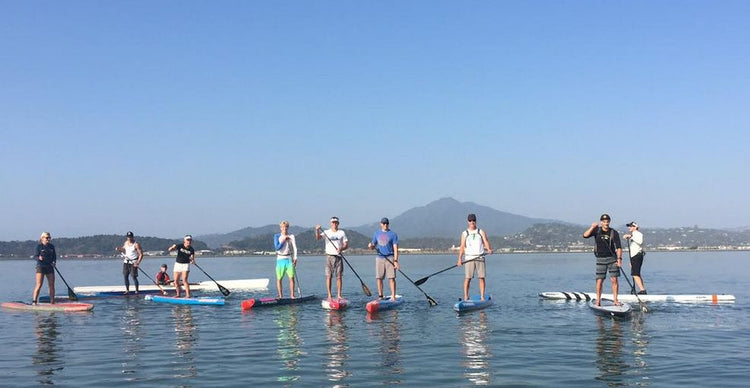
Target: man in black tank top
pixel 608 252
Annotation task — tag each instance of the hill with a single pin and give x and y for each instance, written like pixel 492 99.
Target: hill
pixel 217 240
pixel 89 246
pixel 446 218
pixel 306 242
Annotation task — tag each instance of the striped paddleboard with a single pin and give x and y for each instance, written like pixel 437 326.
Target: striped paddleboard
pixel 630 298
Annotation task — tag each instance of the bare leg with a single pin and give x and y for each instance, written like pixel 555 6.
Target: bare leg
pixel 328 286
pixel 481 288
pixel 614 291
pixel 176 276
pixel 338 286
pixel 278 288
pixel 638 281
pixel 393 288
pixel 37 287
pixel 599 283
pixel 51 284
pixel 467 283
pixel 187 283
pixel 380 287
pixel 291 286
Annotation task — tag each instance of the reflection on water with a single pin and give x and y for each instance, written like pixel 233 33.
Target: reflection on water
pixel 609 358
pixel 473 335
pixel 290 344
pixel 130 324
pixel 640 340
pixel 390 346
pixel 185 336
pixel 338 347
pixel 47 358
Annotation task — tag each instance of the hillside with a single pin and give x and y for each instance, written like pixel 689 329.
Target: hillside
pixel 90 246
pixel 306 242
pixel 217 240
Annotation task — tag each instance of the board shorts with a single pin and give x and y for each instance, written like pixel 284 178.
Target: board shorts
pixel 334 266
pixel 284 266
pixel 181 267
pixel 384 269
pixel 475 267
pixel 605 265
pixel 129 269
pixel 635 264
pixel 44 269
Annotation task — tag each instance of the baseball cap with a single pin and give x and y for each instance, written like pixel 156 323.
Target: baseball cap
pixel 188 237
pixel 384 220
pixel 472 217
pixel 129 234
pixel 334 219
pixel 632 223
pixel 605 216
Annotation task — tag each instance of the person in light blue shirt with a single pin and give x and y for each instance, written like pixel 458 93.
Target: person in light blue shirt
pixel 385 242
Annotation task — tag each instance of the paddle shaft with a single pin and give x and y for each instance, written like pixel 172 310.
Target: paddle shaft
pixel 223 289
pixel 152 279
pixel 365 289
pixel 429 299
pixel 72 295
pixel 424 279
pixel 632 286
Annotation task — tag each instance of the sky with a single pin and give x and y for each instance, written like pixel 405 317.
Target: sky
pixel 177 117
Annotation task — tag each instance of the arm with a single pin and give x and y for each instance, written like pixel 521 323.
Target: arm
pixel 140 254
pixel 344 244
pixel 395 256
pixel 317 232
pixel 590 230
pixel 294 248
pixel 461 248
pixel 638 238
pixel 278 241
pixel 486 241
pixel 173 247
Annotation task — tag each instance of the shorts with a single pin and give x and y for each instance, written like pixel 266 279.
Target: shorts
pixel 607 264
pixel 284 266
pixel 384 269
pixel 44 269
pixel 334 266
pixel 181 267
pixel 475 267
pixel 635 264
pixel 129 269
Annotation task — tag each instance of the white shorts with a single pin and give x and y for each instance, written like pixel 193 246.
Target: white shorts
pixel 181 267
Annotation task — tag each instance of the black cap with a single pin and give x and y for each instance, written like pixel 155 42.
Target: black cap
pixel 472 217
pixel 129 234
pixel 384 220
pixel 605 216
pixel 164 266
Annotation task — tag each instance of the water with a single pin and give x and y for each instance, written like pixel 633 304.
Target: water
pixel 520 341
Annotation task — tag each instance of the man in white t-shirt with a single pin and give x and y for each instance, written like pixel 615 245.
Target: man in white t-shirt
pixel 336 242
pixel 635 245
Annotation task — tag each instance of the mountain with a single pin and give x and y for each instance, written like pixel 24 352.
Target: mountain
pixel 217 240
pixel 90 246
pixel 446 218
pixel 306 242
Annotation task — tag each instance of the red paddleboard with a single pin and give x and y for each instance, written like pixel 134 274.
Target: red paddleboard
pixel 65 307
pixel 334 304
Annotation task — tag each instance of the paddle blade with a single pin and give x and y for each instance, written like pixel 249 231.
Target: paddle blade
pixel 223 290
pixel 72 295
pixel 419 282
pixel 366 290
pixel 432 301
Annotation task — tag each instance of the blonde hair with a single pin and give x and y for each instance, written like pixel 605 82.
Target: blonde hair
pixel 45 234
pixel 284 223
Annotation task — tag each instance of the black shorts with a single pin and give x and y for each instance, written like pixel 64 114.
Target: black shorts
pixel 635 264
pixel 129 269
pixel 44 269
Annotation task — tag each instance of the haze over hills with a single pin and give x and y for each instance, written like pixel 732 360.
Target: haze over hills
pixel 217 240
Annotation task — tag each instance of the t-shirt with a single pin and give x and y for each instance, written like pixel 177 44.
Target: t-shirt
pixel 184 253
pixel 334 241
pixel 284 248
pixel 606 244
pixel 384 242
pixel 49 256
pixel 636 243
pixel 162 278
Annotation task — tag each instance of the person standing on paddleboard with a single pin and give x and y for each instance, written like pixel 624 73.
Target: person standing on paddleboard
pixel 132 253
pixel 608 252
pixel 335 244
pixel 286 257
pixel 385 242
pixel 474 245
pixel 635 248
pixel 46 258
pixel 185 256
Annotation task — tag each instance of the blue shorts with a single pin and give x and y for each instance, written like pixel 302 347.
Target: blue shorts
pixel 284 266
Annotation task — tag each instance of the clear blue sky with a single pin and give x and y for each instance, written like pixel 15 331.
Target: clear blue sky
pixel 176 117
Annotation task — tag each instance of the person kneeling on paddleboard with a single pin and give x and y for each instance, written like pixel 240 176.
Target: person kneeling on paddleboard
pixel 162 277
pixel 608 252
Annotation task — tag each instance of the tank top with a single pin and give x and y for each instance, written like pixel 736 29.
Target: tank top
pixel 131 254
pixel 474 244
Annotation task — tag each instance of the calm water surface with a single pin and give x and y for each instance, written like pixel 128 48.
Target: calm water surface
pixel 520 341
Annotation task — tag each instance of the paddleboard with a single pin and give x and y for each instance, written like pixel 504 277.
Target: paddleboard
pixel 609 309
pixel 473 303
pixel 173 300
pixel 630 298
pixel 334 304
pixel 65 307
pixel 248 304
pixel 383 304
pixel 206 286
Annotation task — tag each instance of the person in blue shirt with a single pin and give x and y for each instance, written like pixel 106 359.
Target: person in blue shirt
pixel 45 258
pixel 385 242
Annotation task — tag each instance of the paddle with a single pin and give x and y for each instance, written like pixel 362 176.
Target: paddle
pixel 72 295
pixel 223 289
pixel 429 299
pixel 424 279
pixel 364 286
pixel 152 279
